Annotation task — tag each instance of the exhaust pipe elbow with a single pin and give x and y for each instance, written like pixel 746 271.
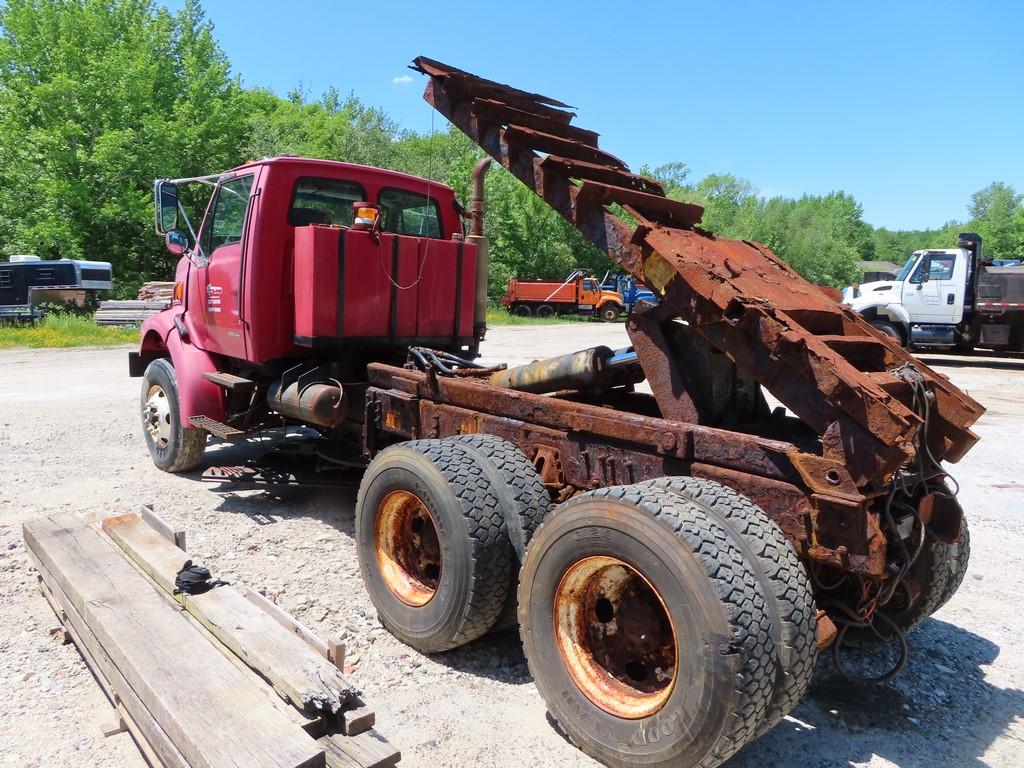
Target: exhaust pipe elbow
pixel 476 205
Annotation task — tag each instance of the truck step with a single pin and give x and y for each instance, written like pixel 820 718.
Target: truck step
pixel 230 382
pixel 219 429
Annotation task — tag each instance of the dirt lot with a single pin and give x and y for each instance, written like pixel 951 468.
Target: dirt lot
pixel 70 440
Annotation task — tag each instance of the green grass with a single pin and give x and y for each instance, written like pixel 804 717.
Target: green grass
pixel 500 316
pixel 66 331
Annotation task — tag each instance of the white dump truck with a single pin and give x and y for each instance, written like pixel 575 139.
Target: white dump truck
pixel 948 298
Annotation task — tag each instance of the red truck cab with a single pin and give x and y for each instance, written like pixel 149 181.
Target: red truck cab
pixel 280 274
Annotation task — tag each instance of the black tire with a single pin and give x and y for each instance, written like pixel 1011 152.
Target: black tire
pixel 476 557
pixel 545 310
pixel 173 447
pixel 708 590
pixel 889 330
pixel 940 571
pixel 783 580
pixel 609 313
pixel 524 500
pixel 957 557
pixel 521 310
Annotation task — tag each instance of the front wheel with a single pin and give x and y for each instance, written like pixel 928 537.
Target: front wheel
pixel 609 313
pixel 174 447
pixel 889 330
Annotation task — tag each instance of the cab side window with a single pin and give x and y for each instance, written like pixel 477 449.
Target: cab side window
pixel 941 268
pixel 590 285
pixel 226 222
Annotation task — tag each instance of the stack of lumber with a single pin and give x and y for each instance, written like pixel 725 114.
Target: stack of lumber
pixel 127 311
pixel 156 291
pixel 153 297
pixel 202 681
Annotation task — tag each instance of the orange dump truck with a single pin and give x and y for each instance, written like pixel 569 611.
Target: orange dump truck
pixel 577 295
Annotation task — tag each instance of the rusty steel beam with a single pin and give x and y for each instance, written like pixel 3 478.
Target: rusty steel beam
pixel 578 447
pixel 844 379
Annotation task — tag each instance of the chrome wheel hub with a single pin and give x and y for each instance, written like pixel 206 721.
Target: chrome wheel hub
pixel 156 416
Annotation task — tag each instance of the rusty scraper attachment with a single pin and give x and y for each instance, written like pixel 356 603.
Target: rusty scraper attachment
pixel 855 387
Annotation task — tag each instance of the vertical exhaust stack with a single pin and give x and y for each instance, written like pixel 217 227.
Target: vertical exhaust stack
pixel 479 239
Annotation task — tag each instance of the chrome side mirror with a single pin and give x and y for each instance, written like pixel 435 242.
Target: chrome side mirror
pixel 165 194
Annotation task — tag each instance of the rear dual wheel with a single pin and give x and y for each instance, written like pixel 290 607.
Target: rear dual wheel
pixel 664 615
pixel 439 524
pixel 936 574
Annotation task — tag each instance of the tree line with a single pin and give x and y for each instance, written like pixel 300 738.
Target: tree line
pixel 99 97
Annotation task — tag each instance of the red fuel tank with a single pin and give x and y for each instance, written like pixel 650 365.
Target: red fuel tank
pixel 354 286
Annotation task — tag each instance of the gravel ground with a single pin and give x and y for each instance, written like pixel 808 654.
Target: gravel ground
pixel 70 441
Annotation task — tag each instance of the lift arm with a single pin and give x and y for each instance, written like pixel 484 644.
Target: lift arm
pixel 855 387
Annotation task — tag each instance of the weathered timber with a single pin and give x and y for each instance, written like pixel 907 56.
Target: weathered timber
pixel 214 715
pixel 289 622
pixel 174 535
pixel 367 750
pixel 151 739
pixel 357 717
pixel 300 675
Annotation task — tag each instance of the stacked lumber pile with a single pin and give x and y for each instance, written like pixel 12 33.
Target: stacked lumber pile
pixel 127 311
pixel 211 680
pixel 156 291
pixel 153 297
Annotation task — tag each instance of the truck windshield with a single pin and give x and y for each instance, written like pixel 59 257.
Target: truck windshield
pixel 409 213
pixel 324 201
pixel 906 268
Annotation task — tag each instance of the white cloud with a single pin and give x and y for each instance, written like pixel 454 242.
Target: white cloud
pixel 402 79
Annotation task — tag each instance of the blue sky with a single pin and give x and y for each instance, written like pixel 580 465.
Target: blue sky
pixel 909 106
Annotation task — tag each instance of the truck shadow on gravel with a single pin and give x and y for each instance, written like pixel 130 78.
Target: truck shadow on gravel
pixel 1007 364
pixel 939 710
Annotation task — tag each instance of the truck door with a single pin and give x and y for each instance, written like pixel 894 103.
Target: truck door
pixel 223 240
pixel 588 293
pixel 934 291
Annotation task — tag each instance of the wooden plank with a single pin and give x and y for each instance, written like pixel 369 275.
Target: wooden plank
pixel 151 739
pixel 357 717
pixel 288 621
pixel 174 535
pixel 298 673
pixel 336 652
pixel 367 750
pixel 209 710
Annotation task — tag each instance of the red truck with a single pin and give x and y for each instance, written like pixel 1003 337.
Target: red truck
pixel 676 557
pixel 576 295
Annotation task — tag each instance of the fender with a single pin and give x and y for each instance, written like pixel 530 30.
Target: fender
pixel 610 297
pixel 900 315
pixel 196 395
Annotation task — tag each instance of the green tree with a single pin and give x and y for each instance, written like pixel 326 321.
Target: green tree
pixel 97 98
pixel 997 216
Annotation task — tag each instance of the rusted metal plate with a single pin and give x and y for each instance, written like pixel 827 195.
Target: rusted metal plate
pixel 823 361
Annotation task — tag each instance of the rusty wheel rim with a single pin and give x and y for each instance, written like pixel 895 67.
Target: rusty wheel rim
pixel 616 637
pixel 408 548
